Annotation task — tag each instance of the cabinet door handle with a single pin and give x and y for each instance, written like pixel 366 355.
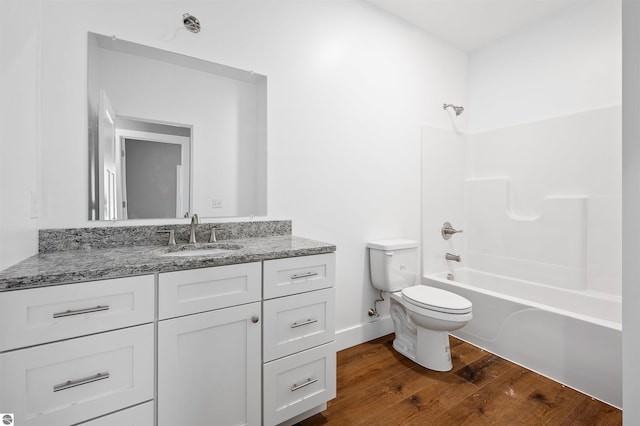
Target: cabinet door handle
pixel 69 312
pixel 79 382
pixel 300 386
pixel 305 275
pixel 300 324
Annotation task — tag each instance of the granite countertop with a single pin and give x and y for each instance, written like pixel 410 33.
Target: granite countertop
pixel 63 267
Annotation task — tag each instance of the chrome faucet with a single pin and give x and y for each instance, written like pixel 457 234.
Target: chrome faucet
pixel 454 257
pixel 192 234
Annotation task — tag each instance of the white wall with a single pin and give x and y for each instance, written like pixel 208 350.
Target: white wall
pixel 567 64
pixel 631 212
pixel 348 90
pixel 19 128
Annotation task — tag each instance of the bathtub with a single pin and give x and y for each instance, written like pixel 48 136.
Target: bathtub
pixel 571 336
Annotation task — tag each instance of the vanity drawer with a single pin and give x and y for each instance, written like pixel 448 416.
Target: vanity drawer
pixel 67 382
pixel 298 383
pixel 140 415
pixel 48 314
pixel 283 277
pixel 199 290
pixel 298 322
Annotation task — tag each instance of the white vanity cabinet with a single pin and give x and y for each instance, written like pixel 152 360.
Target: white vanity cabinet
pixel 209 359
pixel 89 350
pixel 241 344
pixel 299 371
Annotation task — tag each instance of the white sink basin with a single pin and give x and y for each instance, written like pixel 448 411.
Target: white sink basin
pixel 200 252
pixel 212 249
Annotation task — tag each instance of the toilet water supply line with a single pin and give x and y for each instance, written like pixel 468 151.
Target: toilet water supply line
pixel 373 312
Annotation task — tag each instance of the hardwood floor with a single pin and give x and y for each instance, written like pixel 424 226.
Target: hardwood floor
pixel 378 386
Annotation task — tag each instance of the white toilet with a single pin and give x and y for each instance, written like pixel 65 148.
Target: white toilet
pixel 422 316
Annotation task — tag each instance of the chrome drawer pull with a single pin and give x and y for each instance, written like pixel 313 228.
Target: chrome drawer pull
pixel 69 312
pixel 307 383
pixel 73 383
pixel 305 275
pixel 300 324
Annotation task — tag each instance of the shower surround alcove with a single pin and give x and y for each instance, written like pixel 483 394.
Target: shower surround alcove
pixel 540 205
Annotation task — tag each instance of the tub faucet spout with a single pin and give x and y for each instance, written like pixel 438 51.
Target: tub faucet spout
pixel 454 257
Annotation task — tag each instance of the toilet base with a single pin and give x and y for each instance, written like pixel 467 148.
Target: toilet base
pixel 434 350
pixel 428 348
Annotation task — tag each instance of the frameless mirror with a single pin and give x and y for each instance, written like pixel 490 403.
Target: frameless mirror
pixel 172 135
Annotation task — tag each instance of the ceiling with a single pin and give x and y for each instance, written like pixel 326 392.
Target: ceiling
pixel 470 24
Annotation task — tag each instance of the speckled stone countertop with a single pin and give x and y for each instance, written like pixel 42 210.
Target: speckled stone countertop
pixel 63 267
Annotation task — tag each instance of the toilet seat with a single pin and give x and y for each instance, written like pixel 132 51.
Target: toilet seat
pixel 435 299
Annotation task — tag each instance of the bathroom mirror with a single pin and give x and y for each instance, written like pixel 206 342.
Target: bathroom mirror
pixel 172 135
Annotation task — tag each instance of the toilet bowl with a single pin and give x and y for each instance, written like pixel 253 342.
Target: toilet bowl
pixel 422 316
pixel 422 332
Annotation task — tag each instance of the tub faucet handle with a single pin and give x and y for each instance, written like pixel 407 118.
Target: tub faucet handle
pixel 447 231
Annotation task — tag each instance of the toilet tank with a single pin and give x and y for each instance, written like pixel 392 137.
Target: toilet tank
pixel 393 264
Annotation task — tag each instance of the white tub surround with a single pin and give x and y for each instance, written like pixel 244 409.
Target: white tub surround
pixel 540 206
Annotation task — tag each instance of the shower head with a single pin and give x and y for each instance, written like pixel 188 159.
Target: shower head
pixel 458 109
pixel 191 23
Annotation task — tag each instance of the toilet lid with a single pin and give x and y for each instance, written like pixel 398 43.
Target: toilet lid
pixel 436 299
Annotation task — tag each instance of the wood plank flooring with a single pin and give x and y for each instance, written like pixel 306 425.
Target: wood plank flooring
pixel 378 386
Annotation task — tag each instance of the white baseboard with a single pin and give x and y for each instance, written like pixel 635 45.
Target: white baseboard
pixel 361 333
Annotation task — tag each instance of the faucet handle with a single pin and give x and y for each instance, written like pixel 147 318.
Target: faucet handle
pixel 447 230
pixel 172 236
pixel 212 238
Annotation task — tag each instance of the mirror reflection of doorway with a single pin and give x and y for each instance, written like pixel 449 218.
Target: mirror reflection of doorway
pixel 152 179
pixel 155 171
pixel 144 168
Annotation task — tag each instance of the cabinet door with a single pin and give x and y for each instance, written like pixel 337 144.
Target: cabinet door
pixel 209 368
